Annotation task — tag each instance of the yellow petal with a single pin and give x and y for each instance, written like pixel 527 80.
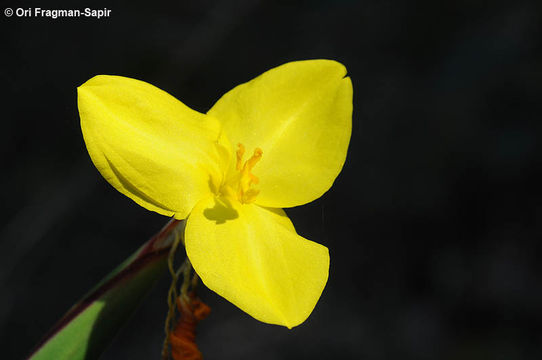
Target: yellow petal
pixel 148 145
pixel 253 257
pixel 300 115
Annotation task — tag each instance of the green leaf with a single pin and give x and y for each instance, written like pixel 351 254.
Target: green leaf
pixel 89 326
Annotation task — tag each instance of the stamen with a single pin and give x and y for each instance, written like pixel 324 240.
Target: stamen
pixel 254 159
pixel 240 153
pixel 244 192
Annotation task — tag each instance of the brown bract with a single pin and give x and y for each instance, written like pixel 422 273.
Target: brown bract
pixel 183 338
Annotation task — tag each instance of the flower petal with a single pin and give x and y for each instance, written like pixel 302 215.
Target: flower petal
pixel 252 257
pixel 148 145
pixel 300 115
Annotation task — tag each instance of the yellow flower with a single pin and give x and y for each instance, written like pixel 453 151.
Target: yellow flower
pixel 293 122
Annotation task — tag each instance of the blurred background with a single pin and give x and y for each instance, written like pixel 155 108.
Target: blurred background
pixel 433 226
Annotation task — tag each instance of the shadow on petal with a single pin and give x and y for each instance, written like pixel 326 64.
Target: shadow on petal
pixel 221 212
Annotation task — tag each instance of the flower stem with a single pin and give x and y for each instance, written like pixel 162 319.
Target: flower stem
pixel 183 301
pixel 172 293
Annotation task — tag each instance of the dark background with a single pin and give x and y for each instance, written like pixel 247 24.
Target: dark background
pixel 433 226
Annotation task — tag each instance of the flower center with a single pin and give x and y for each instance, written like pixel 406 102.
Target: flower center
pixel 240 186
